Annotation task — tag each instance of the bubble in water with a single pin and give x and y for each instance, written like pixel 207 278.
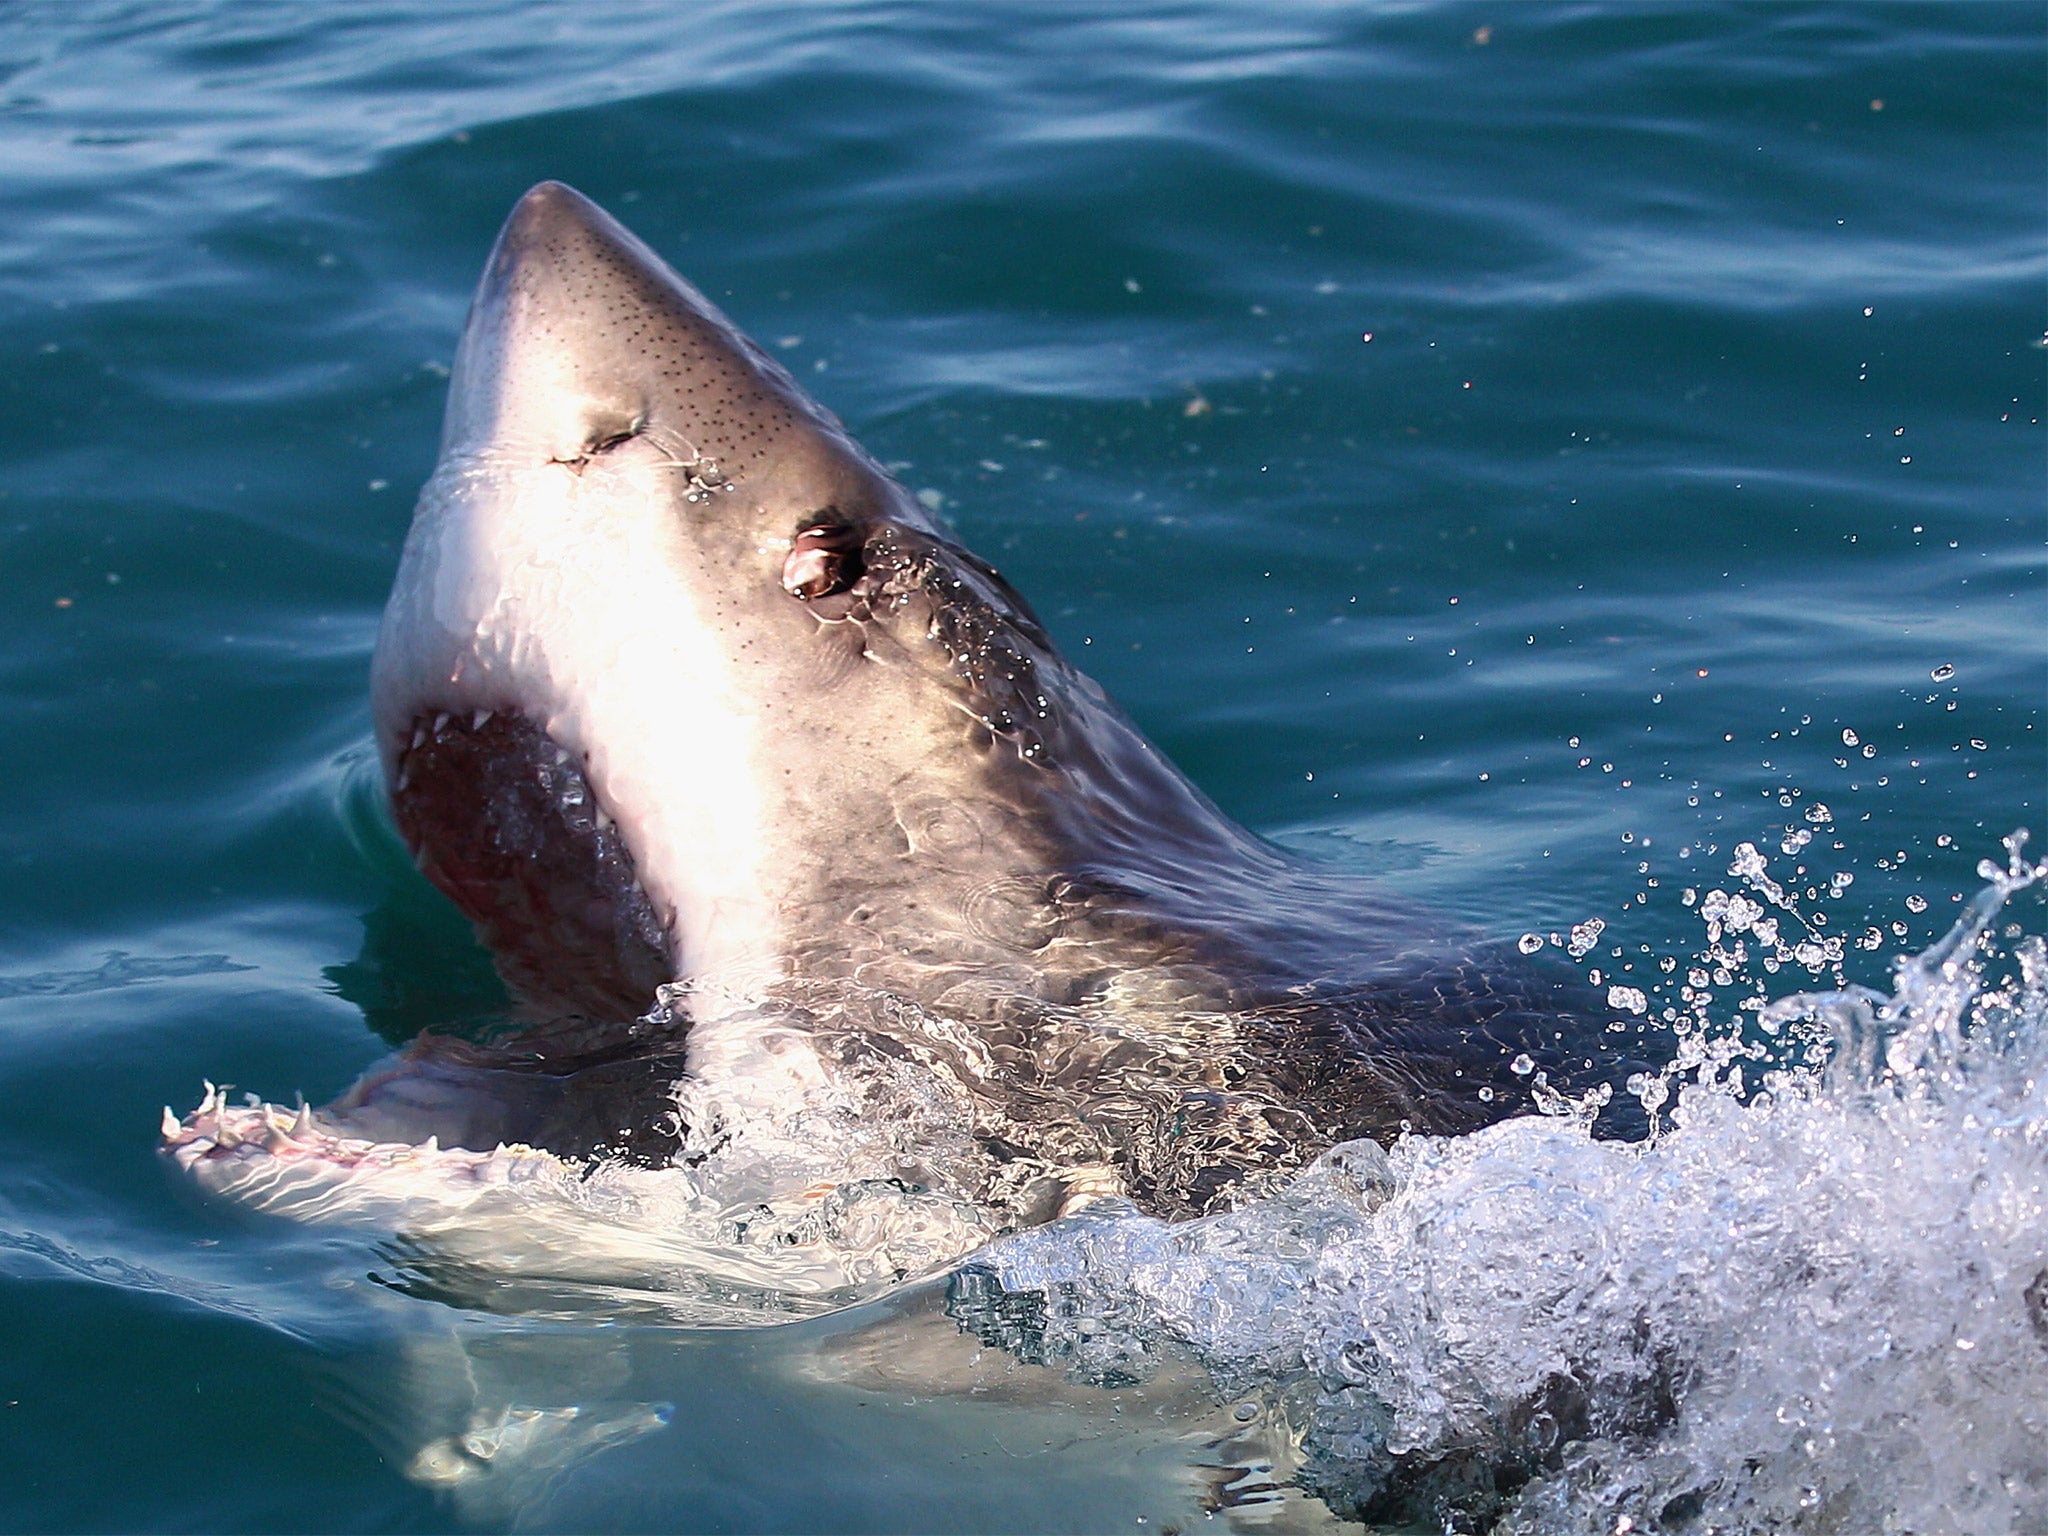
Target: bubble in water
pixel 1522 1065
pixel 1916 903
pixel 1942 673
pixel 1741 913
pixel 1584 936
pixel 1529 943
pixel 1630 998
pixel 1850 738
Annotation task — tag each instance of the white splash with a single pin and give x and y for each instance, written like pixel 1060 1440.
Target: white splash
pixel 1816 1300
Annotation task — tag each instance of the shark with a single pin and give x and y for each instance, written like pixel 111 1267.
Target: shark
pixel 848 918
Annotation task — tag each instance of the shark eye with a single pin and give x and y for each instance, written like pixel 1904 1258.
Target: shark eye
pixel 824 559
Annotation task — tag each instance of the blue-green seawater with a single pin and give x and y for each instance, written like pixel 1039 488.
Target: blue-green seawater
pixel 1522 450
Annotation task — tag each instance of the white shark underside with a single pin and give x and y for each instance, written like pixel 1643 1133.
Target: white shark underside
pixel 818 868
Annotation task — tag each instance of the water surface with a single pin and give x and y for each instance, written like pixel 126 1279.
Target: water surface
pixel 1524 451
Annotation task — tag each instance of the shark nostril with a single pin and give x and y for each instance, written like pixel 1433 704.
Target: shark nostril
pixel 824 559
pixel 600 440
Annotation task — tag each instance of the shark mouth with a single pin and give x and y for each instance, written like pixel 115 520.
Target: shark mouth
pixel 466 1142
pixel 505 821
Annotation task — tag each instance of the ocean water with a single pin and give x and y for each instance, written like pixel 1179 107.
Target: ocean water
pixel 1580 464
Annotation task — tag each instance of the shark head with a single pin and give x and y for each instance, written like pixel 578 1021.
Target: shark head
pixel 676 681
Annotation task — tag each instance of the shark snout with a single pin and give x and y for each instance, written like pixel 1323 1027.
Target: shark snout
pixel 547 369
pixel 580 339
